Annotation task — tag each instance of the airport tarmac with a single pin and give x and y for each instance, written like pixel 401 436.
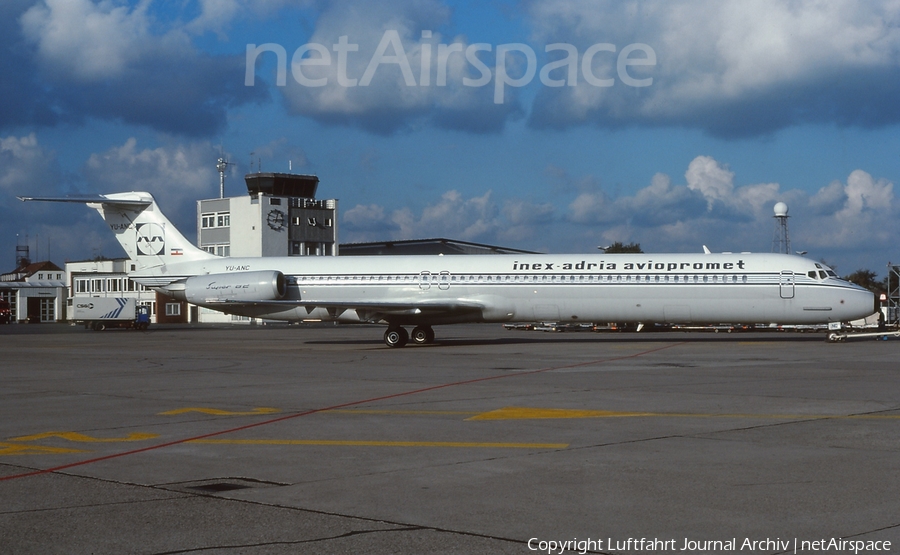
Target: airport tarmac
pixel 322 440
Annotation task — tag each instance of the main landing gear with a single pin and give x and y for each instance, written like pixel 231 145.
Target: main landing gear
pixel 395 336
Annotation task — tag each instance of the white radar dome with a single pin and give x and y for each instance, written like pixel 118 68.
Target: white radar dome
pixel 781 210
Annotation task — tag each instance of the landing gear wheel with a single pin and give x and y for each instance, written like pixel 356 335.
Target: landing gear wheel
pixel 396 337
pixel 422 335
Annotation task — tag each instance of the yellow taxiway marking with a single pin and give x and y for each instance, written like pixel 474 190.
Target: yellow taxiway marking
pixel 220 412
pixel 366 443
pixel 525 413
pixel 81 438
pixel 405 412
pixel 16 449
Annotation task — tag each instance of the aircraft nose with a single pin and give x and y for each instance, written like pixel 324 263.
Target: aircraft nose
pixel 857 303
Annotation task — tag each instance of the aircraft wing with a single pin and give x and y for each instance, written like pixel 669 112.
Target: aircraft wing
pixel 374 311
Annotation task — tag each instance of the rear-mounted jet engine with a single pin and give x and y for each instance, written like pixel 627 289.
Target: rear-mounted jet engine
pixel 240 286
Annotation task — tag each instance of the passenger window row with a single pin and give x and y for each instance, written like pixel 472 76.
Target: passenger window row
pixel 555 278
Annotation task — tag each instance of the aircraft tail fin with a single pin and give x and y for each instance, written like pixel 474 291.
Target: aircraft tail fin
pixel 148 237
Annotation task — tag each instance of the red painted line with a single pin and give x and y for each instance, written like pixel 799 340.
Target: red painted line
pixel 333 407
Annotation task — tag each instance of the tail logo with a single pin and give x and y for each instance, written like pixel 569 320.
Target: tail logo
pixel 151 239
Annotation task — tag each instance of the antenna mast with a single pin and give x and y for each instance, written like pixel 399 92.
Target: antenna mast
pixel 222 165
pixel 782 240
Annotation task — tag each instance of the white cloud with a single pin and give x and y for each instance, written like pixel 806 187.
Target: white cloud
pixel 218 15
pixel 453 216
pixel 215 15
pixel 525 219
pixel 177 175
pixel 26 168
pixel 408 85
pixel 732 67
pixel 855 223
pixel 466 219
pixel 710 179
pixel 866 218
pixel 117 62
pixel 85 40
pixel 52 230
pixel 593 207
pixel 364 223
pixel 664 216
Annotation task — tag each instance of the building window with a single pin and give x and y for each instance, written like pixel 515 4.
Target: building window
pixel 48 310
pixel 219 219
pixel 219 250
pixel 173 309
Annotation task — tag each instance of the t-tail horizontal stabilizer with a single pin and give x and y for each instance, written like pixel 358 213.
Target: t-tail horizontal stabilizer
pixel 148 237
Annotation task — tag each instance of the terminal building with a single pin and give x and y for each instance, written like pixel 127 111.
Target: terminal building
pixel 36 292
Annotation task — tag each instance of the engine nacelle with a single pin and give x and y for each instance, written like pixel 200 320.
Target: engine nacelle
pixel 240 286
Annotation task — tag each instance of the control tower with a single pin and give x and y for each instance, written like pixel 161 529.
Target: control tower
pixel 291 185
pixel 280 216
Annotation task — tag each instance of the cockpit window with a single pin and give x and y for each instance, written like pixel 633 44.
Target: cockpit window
pixel 831 273
pixel 811 273
pixel 822 274
pixel 819 266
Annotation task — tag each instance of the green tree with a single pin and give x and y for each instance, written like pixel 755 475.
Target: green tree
pixel 867 279
pixel 619 247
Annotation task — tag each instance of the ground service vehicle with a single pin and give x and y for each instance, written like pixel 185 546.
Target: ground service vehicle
pixel 100 313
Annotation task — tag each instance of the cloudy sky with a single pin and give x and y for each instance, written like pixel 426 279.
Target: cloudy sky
pixel 547 125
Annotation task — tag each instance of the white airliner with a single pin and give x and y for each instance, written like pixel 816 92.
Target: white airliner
pixel 423 291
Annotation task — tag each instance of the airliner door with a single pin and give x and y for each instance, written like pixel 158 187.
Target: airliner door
pixel 425 280
pixel 786 284
pixel 444 281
